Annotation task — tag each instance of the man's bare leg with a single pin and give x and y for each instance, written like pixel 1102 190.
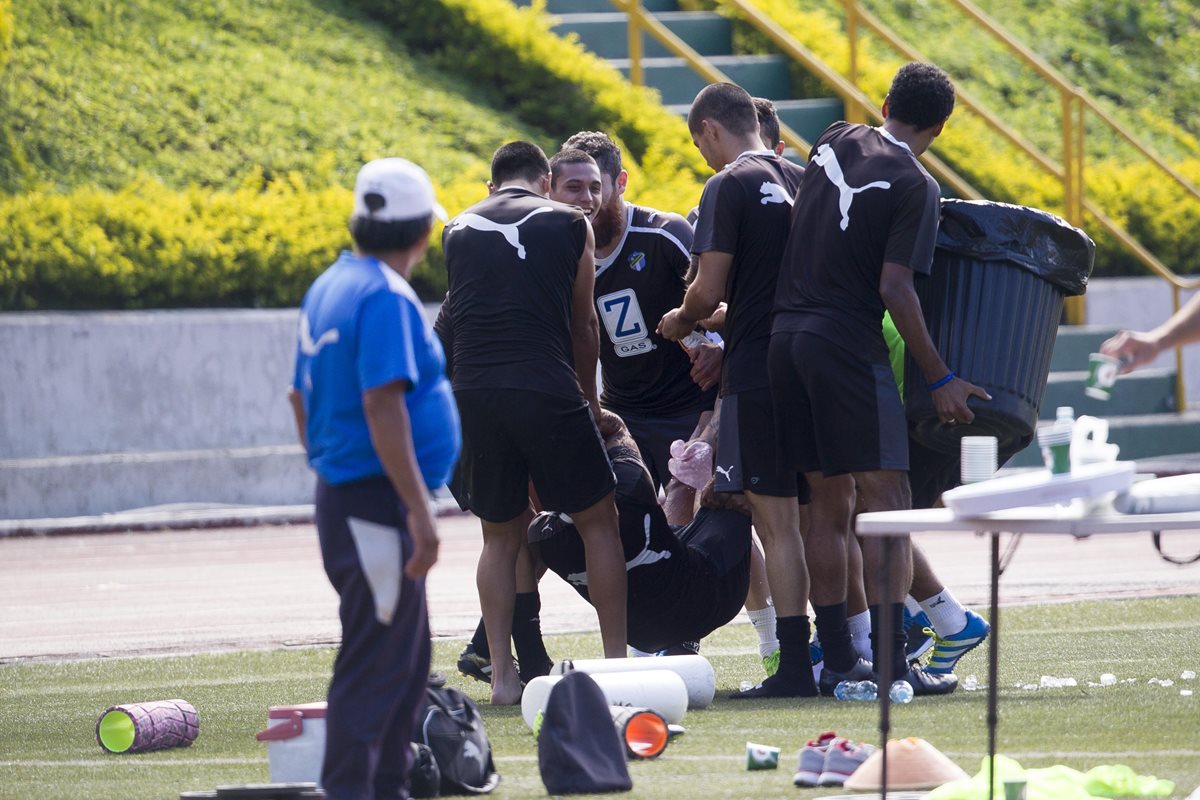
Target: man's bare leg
pixel 778 522
pixel 496 578
pixel 830 511
pixel 758 605
pixel 597 527
pixel 887 490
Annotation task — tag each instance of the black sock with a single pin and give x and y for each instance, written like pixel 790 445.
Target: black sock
pixel 527 637
pixel 894 640
pixel 795 666
pixel 479 641
pixel 834 633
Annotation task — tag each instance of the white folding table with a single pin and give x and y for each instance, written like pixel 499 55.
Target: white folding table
pixel 1068 520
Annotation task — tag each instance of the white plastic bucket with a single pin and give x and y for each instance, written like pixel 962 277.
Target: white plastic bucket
pixel 696 672
pixel 295 738
pixel 659 690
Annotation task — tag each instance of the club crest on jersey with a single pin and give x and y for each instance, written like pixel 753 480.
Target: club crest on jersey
pixel 637 261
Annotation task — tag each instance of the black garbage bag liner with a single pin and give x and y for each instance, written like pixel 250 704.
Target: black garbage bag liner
pixel 992 305
pixel 1036 240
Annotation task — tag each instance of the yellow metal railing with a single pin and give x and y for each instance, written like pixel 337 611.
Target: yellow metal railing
pixel 1075 103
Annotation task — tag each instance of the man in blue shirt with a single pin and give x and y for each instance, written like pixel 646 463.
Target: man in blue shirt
pixel 377 418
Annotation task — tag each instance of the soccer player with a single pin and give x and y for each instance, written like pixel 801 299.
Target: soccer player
pixel 865 220
pixel 768 125
pixel 642 256
pixel 377 420
pixel 521 271
pixel 740 232
pixel 683 584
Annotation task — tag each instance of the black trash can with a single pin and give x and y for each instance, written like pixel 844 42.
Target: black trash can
pixel 993 303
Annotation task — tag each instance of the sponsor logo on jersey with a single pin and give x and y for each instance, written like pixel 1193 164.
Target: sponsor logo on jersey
pixel 624 323
pixel 827 160
pixel 637 261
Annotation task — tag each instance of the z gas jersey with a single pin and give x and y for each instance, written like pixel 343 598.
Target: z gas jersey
pixel 639 282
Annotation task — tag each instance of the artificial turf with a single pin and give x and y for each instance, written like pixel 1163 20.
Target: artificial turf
pixel 48 711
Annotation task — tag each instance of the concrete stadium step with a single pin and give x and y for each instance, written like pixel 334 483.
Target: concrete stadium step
pixel 607 34
pixel 1141 436
pixel 810 117
pixel 762 76
pixel 1075 343
pixel 1147 391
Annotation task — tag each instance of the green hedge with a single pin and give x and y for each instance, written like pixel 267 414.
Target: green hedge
pixel 6 31
pixel 149 246
pixel 555 83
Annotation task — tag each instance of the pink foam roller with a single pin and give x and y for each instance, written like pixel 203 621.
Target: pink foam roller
pixel 140 727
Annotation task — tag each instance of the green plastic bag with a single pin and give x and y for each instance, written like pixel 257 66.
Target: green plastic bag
pixel 1056 783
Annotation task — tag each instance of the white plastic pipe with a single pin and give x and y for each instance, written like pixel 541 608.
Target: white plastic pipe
pixel 657 689
pixel 696 672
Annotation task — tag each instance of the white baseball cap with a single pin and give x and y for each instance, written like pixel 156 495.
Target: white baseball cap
pixel 404 188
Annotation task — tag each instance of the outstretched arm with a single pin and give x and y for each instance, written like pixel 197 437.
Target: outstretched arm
pixel 900 298
pixel 702 298
pixel 1136 349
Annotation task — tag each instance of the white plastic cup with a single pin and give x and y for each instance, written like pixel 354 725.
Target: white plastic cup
pixel 1056 448
pixel 761 756
pixel 978 461
pixel 1102 374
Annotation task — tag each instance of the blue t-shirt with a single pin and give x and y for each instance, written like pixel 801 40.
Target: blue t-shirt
pixel 362 327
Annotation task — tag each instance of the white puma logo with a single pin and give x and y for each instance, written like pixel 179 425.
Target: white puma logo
pixel 307 345
pixel 827 159
pixel 774 193
pixel 646 556
pixel 726 471
pixel 471 750
pixel 508 231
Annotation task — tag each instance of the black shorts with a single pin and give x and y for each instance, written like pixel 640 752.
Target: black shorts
pixel 511 436
pixel 718 578
pixel 654 436
pixel 748 456
pixel 843 411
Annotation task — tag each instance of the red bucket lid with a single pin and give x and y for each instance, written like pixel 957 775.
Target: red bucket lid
pixel 306 711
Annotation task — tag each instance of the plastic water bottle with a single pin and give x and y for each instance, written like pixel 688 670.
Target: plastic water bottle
pixel 856 690
pixel 901 692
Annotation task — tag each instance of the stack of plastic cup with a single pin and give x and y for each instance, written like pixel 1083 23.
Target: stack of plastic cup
pixel 978 458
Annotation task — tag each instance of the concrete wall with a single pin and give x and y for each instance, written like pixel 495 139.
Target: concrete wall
pixel 104 412
pixel 108 411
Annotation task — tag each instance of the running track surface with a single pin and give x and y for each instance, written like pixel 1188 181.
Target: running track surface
pixel 104 595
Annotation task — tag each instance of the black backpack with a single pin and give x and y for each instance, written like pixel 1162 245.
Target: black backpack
pixel 424 777
pixel 452 728
pixel 579 751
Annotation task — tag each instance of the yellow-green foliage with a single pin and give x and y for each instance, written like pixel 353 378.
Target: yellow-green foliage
pixel 148 246
pixel 120 232
pixel 6 31
pixel 554 83
pixel 1151 206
